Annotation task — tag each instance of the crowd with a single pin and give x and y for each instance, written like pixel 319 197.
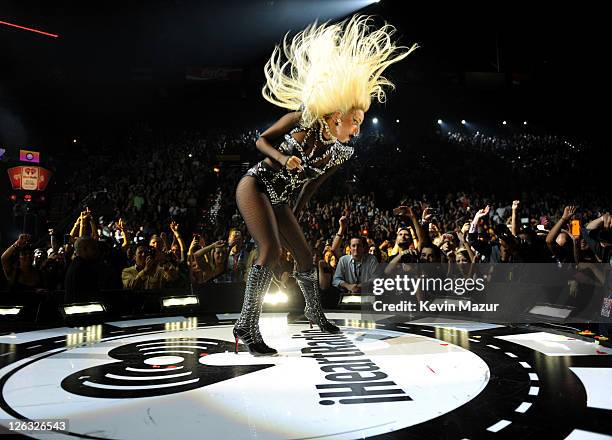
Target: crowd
pixel 160 213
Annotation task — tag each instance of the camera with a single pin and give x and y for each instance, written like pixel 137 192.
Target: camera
pixel 149 251
pixel 408 257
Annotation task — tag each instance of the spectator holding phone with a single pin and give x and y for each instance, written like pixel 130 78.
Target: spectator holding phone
pixel 17 264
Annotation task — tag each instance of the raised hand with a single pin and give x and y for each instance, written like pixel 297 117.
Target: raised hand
pixel 568 212
pixel 516 205
pixel 174 227
pixel 427 214
pixel 22 240
pixel 483 212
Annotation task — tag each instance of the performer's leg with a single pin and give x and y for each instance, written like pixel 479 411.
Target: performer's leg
pixel 306 275
pixel 261 222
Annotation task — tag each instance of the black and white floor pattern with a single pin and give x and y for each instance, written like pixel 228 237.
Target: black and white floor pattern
pixel 179 377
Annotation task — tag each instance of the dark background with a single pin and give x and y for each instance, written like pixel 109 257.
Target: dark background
pixel 117 63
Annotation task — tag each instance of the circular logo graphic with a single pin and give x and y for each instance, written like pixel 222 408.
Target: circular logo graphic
pixel 361 382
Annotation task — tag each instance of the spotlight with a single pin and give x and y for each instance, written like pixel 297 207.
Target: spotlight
pixel 375 121
pixel 79 313
pixel 180 301
pixel 553 311
pixel 357 299
pixel 440 121
pixel 397 120
pixel 525 123
pixel 463 122
pixel 276 298
pixel 505 123
pixel 10 310
pixel 74 141
pixel 190 155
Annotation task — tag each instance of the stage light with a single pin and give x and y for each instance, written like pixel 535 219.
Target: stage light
pixel 504 122
pixel 216 170
pixel 276 298
pixel 357 299
pixel 397 121
pixel 81 309
pixel 375 121
pixel 553 311
pixel 27 197
pixel 190 155
pixel 74 141
pixel 525 123
pixel 440 121
pixel 10 310
pixel 463 122
pixel 180 301
pixel 13 197
pixel 48 34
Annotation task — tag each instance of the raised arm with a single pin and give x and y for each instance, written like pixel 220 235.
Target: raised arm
pixel 515 217
pixel 175 230
pixel 8 253
pixel 337 243
pixel 568 212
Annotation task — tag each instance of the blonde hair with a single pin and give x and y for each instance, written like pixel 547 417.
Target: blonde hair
pixel 332 67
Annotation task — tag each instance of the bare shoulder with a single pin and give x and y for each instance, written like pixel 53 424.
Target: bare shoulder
pixel 285 124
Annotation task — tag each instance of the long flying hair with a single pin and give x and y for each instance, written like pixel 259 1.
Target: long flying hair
pixel 332 67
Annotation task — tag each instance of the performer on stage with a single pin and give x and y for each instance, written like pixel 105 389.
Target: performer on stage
pixel 327 74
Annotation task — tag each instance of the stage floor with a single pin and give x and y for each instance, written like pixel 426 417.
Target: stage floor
pixel 178 377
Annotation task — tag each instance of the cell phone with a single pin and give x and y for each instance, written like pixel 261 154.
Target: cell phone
pixel 524 220
pixel 575 228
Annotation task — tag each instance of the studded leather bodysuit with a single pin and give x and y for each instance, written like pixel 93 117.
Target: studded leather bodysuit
pixel 279 185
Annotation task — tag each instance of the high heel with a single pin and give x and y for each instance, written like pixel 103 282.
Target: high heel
pixel 247 326
pixel 309 285
pixel 255 348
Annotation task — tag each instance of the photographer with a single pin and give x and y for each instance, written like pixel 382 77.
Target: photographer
pixel 406 255
pixel 147 273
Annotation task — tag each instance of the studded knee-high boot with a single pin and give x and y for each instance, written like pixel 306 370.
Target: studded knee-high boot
pixel 309 285
pixel 247 326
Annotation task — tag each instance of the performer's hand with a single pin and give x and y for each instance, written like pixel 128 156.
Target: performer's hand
pixel 294 163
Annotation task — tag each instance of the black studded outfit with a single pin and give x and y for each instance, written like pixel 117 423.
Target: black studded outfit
pixel 279 185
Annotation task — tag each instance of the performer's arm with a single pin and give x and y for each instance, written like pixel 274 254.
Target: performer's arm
pixel 309 189
pixel 281 127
